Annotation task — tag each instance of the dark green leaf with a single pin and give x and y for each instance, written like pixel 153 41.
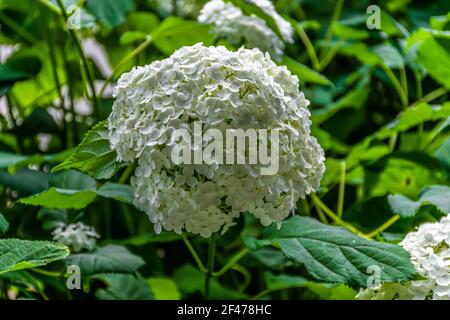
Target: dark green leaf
pixel 438 196
pixel 123 287
pixel 108 259
pixel 333 254
pixel 93 155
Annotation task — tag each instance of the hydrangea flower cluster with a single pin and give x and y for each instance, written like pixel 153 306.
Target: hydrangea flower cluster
pixel 223 90
pixel 78 236
pixel 229 21
pixel 182 8
pixel 429 247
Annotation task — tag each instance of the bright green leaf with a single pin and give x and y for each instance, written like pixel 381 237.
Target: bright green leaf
pixel 18 254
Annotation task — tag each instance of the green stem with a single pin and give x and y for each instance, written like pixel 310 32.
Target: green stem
pixel 340 205
pixel 84 61
pixel 210 264
pixel 126 174
pixel 55 274
pixel 418 79
pixel 335 217
pixel 321 215
pixel 431 96
pixel 383 227
pixel 247 277
pixel 193 253
pixel 230 264
pixel 309 47
pixel 434 133
pixel 396 84
pixel 335 16
pixel 18 29
pixel 404 83
pixel 47 34
pixel 329 56
pixel 75 136
pixel 129 57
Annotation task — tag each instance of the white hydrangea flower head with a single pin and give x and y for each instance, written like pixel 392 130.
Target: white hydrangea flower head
pixel 429 248
pixel 78 236
pixel 286 30
pixel 184 8
pixel 223 90
pixel 229 21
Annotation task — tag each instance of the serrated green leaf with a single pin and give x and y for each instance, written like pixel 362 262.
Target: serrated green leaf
pixel 61 198
pixel 333 254
pixel 117 191
pixel 93 155
pixel 18 254
pixel 438 196
pixel 108 259
pixel 68 190
pixel 123 287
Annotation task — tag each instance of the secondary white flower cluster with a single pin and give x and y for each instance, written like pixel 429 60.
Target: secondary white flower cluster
pixel 223 90
pixel 429 247
pixel 182 8
pixel 229 21
pixel 78 236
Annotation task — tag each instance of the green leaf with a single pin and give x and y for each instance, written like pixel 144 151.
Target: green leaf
pixel 108 259
pixel 354 98
pixel 174 33
pixel 18 254
pixel 437 196
pixel 142 21
pixel 325 291
pixel 333 254
pixel 68 190
pixel 129 37
pixel 148 237
pixel 39 121
pixel 389 54
pixel 436 61
pixel 414 116
pixel 111 13
pixel 304 73
pixel 164 288
pixel 25 181
pixel 8 159
pixel 61 198
pixel 404 173
pixel 4 225
pixel 93 155
pixel 123 287
pixel 117 191
pixel 348 33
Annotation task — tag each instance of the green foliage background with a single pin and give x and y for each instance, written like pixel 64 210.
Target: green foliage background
pixel 380 109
